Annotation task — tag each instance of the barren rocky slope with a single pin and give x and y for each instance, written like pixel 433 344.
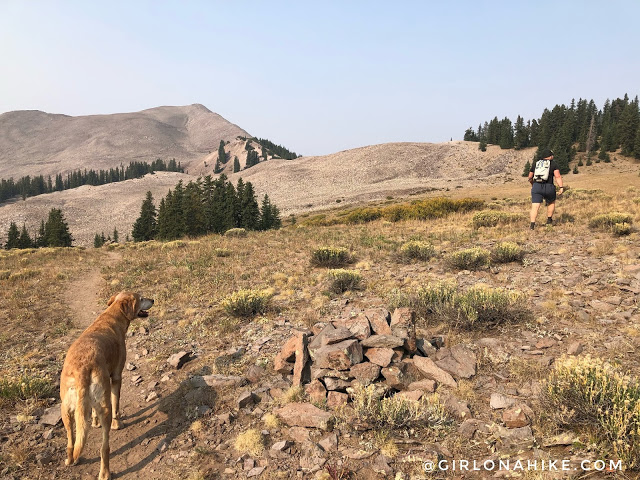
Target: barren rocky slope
pixel 38 143
pixel 308 183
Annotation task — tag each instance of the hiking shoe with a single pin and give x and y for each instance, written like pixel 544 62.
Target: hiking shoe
pixel 533 225
pixel 549 221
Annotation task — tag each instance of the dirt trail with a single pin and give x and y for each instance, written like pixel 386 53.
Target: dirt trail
pixel 83 294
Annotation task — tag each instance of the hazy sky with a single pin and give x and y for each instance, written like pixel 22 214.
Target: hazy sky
pixel 320 76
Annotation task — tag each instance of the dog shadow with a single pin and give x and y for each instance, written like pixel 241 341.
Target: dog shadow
pixel 180 409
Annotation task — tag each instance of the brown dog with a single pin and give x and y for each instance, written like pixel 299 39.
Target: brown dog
pixel 92 375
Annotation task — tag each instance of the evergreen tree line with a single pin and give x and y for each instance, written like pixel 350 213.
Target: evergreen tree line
pixel 52 233
pixel 99 239
pixel 204 206
pixel 581 127
pixel 277 150
pixel 28 186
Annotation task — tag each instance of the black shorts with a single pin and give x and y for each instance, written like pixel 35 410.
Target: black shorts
pixel 546 191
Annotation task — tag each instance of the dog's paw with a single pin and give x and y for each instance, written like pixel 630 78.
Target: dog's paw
pixel 95 423
pixel 67 462
pixel 116 424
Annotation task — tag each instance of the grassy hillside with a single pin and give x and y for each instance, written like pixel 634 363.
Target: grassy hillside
pixel 579 284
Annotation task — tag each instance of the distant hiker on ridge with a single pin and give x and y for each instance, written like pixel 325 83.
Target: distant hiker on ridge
pixel 541 178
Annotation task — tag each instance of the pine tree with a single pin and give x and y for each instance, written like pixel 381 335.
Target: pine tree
pixel 115 235
pixel 41 238
pixel 236 165
pixel 144 227
pixel 482 146
pixel 269 215
pixel 249 210
pixel 636 148
pixel 56 230
pixel 527 169
pixel 25 240
pixel 222 155
pixel 97 241
pixel 13 236
pixel 575 169
pixel 193 211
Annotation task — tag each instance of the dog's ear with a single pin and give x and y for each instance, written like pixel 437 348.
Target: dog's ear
pixel 130 305
pixel 111 300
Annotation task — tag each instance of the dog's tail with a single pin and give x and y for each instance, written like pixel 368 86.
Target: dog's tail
pixel 82 413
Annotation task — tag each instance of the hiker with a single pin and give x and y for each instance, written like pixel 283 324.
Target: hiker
pixel 541 178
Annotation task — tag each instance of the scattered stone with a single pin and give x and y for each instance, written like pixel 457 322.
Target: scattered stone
pixel 413 395
pixel 318 339
pixel 255 373
pixel 136 380
pixel 316 391
pixel 365 372
pixel 395 376
pixel 48 434
pixel 426 386
pixel 255 472
pixel 329 443
pixel 512 439
pixel 218 381
pixel 379 356
pixel 282 362
pixel 336 335
pixel 457 408
pixel 336 399
pixel 246 399
pixel 304 415
pixel 177 360
pixel 142 330
pixel 44 459
pixel 433 372
pixel 52 416
pixel 299 434
pixel 458 360
pixel 383 341
pixel 225 418
pixel 336 383
pixel 425 348
pixel 281 446
pixel 546 343
pixel 151 397
pixel 575 348
pixel 130 366
pixel 301 372
pixel 379 320
pixel 563 439
pixel 499 401
pixel 470 426
pixel 339 356
pixel 514 417
pixel 359 326
pixel 357 454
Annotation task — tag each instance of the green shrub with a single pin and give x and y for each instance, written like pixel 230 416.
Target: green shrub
pixel 363 215
pixel 432 299
pixel 330 257
pixel 429 208
pixel 584 193
pixel 246 303
pixel 477 307
pixel 488 307
pixel 468 259
pixel 506 252
pixel 235 232
pixel 371 407
pixel 493 218
pixel 341 280
pixel 24 387
pixel 621 229
pixel 589 394
pixel 417 250
pixel 565 218
pixel 608 220
pixel 222 252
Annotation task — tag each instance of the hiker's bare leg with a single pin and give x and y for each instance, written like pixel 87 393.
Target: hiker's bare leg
pixel 534 211
pixel 550 209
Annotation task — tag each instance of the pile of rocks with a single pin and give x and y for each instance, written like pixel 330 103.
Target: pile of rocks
pixel 371 346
